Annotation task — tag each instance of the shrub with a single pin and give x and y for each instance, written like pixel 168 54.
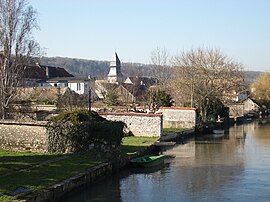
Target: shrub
pixel 77 116
pixel 75 131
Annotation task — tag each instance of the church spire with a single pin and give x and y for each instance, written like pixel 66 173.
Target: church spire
pixel 115 75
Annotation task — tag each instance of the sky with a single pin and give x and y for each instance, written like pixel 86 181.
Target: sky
pixel 95 29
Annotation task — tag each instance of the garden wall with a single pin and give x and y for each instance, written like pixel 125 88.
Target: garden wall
pixel 23 136
pixel 178 117
pixel 140 124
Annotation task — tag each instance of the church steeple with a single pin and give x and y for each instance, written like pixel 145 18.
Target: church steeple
pixel 115 75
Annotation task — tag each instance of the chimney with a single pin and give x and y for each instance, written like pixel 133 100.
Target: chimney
pixel 47 72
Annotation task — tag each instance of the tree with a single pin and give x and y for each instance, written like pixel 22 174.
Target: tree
pixel 159 98
pixel 260 88
pixel 161 68
pixel 203 75
pixel 111 97
pixel 17 46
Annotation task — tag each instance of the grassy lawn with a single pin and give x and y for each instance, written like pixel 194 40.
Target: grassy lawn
pixel 36 171
pixel 132 144
pixel 172 130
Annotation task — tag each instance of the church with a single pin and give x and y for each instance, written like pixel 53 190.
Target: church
pixel 129 89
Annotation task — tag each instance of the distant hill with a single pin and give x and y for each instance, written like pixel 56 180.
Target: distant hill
pixel 94 68
pixel 100 69
pixel 250 76
pixel 78 67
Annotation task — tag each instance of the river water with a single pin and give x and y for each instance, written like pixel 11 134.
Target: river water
pixel 233 167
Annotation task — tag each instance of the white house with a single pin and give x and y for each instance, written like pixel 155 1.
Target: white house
pixel 80 85
pixel 241 96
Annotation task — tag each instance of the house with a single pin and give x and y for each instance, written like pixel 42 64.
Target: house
pixel 250 106
pixel 48 76
pixel 245 108
pixel 37 72
pixel 79 85
pixel 241 96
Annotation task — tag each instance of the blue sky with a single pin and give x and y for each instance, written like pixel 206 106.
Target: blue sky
pixel 94 29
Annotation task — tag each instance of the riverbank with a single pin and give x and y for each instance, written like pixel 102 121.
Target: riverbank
pixel 35 176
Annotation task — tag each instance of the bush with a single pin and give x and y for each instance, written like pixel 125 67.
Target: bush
pixel 77 116
pixel 75 131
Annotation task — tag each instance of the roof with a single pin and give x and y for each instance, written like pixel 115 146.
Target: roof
pixel 148 81
pixel 65 79
pixel 40 94
pixel 115 60
pixel 138 91
pixel 44 72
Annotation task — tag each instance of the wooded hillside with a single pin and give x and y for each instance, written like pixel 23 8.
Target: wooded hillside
pixel 99 69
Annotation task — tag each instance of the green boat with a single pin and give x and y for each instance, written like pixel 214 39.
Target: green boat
pixel 148 160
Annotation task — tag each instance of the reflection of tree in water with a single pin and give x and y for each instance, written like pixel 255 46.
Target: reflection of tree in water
pixel 262 135
pixel 210 162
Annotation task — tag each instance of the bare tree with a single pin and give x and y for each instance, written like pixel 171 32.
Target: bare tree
pixel 161 68
pixel 17 46
pixel 206 74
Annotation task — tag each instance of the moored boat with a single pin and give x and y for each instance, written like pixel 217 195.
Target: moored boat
pixel 148 160
pixel 218 131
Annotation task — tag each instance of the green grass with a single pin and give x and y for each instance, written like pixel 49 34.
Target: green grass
pixel 172 130
pixel 132 144
pixel 36 171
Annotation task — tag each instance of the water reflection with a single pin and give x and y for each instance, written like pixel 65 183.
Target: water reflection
pixel 232 167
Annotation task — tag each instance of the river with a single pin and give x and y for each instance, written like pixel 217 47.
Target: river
pixel 233 167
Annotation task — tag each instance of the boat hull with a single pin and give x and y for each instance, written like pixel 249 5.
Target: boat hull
pixel 148 161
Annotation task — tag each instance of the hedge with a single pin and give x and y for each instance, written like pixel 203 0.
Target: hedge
pixel 76 131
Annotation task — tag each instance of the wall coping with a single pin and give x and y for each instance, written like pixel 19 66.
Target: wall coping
pixel 129 114
pixel 26 123
pixel 179 108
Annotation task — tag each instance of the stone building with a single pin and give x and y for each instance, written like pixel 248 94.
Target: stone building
pixel 130 89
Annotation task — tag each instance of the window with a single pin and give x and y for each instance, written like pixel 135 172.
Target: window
pixel 78 86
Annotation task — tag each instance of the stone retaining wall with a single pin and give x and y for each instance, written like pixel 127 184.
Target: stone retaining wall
pixel 23 136
pixel 59 190
pixel 140 124
pixel 178 117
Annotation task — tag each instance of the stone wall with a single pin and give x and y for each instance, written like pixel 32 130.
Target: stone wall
pixel 178 117
pixel 23 136
pixel 140 124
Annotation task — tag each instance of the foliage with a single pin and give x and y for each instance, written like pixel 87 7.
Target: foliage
pixel 260 89
pixel 17 46
pixel 215 109
pixel 111 97
pixel 75 131
pixel 73 101
pixel 160 98
pixel 77 116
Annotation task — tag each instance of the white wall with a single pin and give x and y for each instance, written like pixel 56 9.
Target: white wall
pixel 81 87
pixel 178 117
pixel 140 124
